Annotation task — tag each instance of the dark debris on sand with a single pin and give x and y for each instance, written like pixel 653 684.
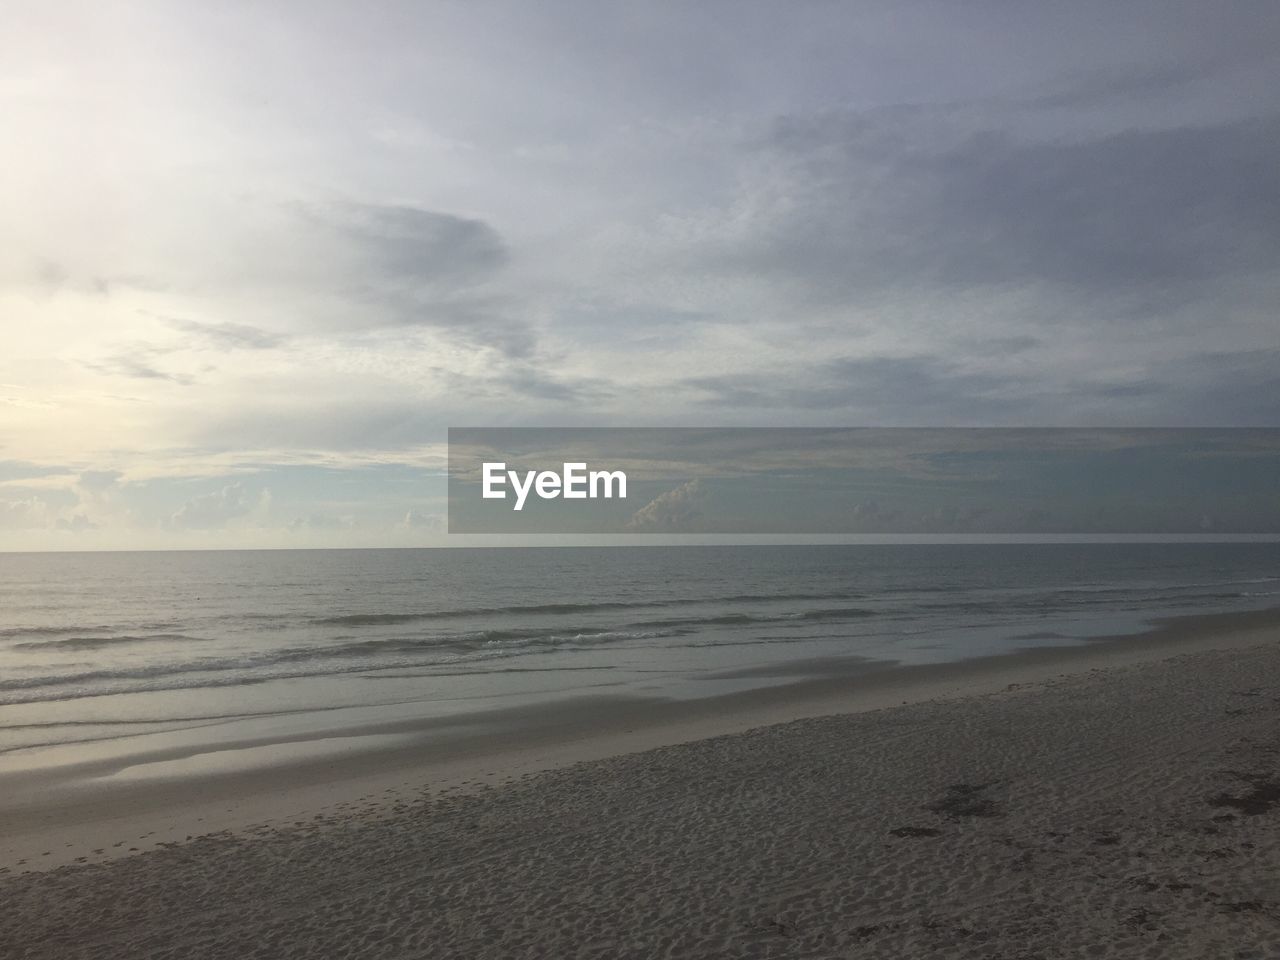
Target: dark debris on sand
pixel 966 800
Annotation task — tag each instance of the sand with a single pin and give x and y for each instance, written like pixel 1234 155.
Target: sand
pixel 1119 801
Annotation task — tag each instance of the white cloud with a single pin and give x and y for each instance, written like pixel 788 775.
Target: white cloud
pixel 214 510
pixel 676 511
pixel 427 522
pixel 28 513
pixel 77 523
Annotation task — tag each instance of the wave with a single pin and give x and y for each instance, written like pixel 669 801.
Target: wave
pixel 8 632
pixel 129 682
pixel 966 603
pixel 96 643
pixel 319 660
pixel 391 619
pixel 745 619
pixel 466 642
pixel 837 613
pixel 394 618
pixel 725 619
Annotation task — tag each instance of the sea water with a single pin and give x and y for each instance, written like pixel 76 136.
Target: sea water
pixel 140 649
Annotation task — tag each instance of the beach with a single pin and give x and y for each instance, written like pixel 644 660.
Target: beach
pixel 550 481
pixel 1118 799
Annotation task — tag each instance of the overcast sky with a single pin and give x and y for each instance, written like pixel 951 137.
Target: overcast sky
pixel 257 257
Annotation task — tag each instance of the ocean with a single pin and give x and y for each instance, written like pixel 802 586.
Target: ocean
pixel 117 653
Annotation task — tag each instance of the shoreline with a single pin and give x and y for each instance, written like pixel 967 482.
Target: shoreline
pixel 77 815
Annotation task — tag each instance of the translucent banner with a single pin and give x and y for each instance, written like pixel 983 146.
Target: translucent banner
pixel 772 480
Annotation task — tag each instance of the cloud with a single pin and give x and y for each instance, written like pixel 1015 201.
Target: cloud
pixel 918 214
pixel 49 278
pixel 236 336
pixel 320 522
pixel 399 421
pixel 478 321
pixel 528 380
pixel 217 509
pixel 417 520
pixel 98 480
pixel 1106 86
pixel 1210 388
pixel 78 523
pixel 43 510
pixel 410 266
pixel 421 248
pixel 25 514
pixel 852 204
pixel 870 516
pixel 26 470
pixel 676 511
pixel 886 388
pixel 335 424
pixel 136 363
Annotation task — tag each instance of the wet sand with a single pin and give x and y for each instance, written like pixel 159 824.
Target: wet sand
pixel 1116 799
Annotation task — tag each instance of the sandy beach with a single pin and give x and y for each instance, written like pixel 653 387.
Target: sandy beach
pixel 1115 800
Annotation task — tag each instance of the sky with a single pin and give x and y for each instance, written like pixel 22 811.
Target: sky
pixel 258 258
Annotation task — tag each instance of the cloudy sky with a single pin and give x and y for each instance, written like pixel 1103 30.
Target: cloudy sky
pixel 258 257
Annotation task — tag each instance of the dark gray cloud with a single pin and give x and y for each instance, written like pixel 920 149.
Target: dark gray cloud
pixel 137 363
pixel 417 267
pixel 422 247
pixel 894 389
pixel 541 384
pixel 903 200
pixel 478 321
pixel 986 346
pixel 530 380
pixel 236 336
pixel 1104 87
pixel 1212 389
